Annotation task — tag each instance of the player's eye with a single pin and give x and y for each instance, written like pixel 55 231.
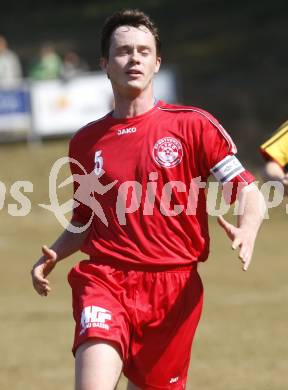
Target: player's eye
pixel 144 52
pixel 122 51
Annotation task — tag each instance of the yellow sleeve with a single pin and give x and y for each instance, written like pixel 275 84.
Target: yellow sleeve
pixel 276 147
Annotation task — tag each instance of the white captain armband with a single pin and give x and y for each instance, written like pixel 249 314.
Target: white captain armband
pixel 226 169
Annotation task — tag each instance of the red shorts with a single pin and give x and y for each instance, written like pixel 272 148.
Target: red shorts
pixel 150 317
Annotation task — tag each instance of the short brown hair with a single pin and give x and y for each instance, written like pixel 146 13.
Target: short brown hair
pixel 127 17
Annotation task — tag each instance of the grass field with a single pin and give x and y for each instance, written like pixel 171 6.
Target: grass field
pixel 241 343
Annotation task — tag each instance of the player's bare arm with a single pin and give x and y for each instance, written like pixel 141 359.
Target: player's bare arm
pixel 67 244
pixel 249 221
pixel 273 171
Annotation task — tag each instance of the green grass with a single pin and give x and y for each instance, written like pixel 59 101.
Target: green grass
pixel 241 343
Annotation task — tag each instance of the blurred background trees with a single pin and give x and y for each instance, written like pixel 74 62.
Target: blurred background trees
pixel 230 57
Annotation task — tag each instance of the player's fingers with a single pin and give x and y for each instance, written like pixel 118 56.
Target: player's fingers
pixel 39 288
pixel 45 250
pixel 48 266
pixel 40 285
pixel 247 261
pixel 236 243
pixel 46 289
pixel 44 292
pixel 228 227
pixel 38 275
pixel 42 281
pixel 243 252
pixel 48 252
pixel 42 289
pixel 38 280
pixel 245 255
pixel 222 222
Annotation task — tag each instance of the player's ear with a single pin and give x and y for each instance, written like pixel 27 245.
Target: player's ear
pixel 103 64
pixel 158 64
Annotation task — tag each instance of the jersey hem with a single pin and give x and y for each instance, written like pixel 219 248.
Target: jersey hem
pixel 145 267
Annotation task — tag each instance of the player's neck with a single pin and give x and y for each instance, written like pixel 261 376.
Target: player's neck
pixel 128 107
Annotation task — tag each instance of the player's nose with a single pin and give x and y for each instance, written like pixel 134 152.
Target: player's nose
pixel 135 58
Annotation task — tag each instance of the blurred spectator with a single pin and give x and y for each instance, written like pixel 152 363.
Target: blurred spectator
pixel 73 65
pixel 47 66
pixel 10 67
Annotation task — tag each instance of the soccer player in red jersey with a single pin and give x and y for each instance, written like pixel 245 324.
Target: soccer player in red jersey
pixel 140 207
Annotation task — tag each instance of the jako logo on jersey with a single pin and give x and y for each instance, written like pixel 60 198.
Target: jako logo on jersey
pixel 174 380
pixel 95 317
pixel 168 152
pixel 129 130
pixel 98 159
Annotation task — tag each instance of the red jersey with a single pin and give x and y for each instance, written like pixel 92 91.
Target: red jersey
pixel 141 192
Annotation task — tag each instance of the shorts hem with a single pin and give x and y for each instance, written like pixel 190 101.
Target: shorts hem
pixel 115 343
pixel 144 386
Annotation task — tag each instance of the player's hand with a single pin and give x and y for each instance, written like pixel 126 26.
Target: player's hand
pixel 41 269
pixel 244 239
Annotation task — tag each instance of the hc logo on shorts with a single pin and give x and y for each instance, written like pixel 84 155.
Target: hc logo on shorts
pixel 94 317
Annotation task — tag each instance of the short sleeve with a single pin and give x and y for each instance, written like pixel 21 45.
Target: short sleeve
pixel 220 158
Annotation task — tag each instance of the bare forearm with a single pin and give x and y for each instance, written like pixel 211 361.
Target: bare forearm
pixel 273 171
pixel 252 207
pixel 68 243
pixel 251 212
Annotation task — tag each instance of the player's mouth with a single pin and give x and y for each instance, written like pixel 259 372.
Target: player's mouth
pixel 134 72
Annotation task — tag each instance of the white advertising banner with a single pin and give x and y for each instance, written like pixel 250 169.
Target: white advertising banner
pixel 60 107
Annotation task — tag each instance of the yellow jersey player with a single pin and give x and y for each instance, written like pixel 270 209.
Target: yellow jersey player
pixel 275 152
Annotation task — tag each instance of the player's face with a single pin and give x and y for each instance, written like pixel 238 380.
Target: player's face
pixel 132 60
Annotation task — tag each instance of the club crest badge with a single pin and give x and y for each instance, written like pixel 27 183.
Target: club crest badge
pixel 168 152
